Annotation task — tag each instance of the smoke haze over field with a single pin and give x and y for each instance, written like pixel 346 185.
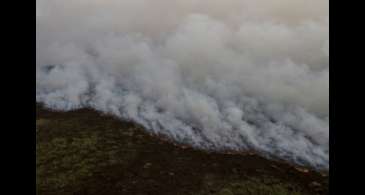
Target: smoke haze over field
pixel 233 74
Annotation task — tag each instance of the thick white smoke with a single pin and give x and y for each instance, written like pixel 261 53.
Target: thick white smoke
pixel 232 74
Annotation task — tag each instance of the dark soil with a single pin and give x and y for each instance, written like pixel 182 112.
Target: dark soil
pixel 85 152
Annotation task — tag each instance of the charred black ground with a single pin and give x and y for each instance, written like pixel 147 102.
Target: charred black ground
pixel 85 152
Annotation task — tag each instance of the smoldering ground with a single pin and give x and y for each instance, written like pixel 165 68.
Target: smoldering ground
pixel 250 74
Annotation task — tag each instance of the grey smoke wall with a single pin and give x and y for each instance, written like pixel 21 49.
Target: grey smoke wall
pixel 233 74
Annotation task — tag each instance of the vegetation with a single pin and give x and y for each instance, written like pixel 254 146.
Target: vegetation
pixel 84 152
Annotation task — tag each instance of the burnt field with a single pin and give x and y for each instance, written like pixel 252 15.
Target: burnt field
pixel 85 152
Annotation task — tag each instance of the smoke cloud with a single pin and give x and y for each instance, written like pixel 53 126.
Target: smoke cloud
pixel 218 75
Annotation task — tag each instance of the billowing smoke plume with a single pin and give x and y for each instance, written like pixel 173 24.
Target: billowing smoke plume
pixel 221 75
